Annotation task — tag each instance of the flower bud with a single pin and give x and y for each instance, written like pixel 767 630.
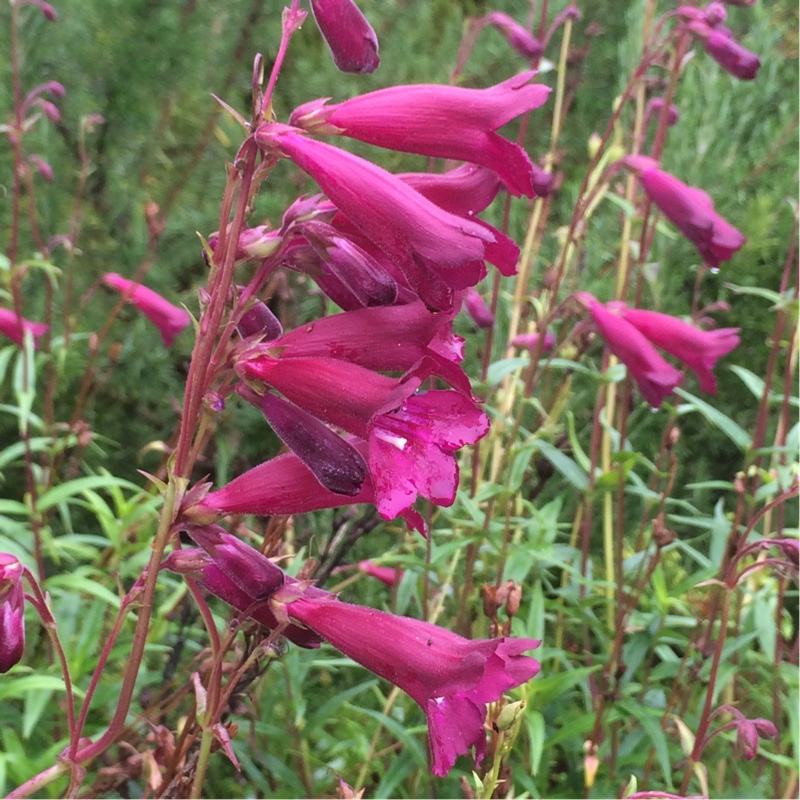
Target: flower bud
pixel 12 612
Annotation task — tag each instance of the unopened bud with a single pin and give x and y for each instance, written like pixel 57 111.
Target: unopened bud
pixel 508 717
pixel 514 600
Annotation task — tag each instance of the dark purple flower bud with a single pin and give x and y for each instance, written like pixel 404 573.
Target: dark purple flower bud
pixel 354 267
pixel 351 39
pixel 524 42
pixel 259 320
pixel 337 465
pixel 12 612
pixel 259 577
pixel 477 309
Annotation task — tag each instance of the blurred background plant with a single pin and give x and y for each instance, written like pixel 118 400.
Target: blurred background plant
pixel 615 521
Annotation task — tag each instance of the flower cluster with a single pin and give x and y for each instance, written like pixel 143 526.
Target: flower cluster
pixel 451 678
pixel 633 334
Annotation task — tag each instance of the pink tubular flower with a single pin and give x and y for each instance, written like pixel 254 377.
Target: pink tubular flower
pixel 15 327
pixel 654 376
pixel 477 309
pixel 530 341
pixel 698 349
pixel 691 210
pixel 731 56
pixel 349 36
pixel 438 121
pixel 169 319
pixel 388 575
pixel 12 612
pixel 388 212
pixel 451 678
pixel 524 42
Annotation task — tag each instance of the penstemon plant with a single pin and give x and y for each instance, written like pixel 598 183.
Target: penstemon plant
pixel 381 407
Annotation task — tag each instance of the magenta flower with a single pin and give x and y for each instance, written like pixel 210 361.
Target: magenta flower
pixel 406 226
pixel 14 327
pixel 449 677
pixel 465 191
pixel 530 341
pixel 654 376
pixel 731 56
pixel 524 42
pixel 411 449
pixel 438 121
pixel 698 349
pixel 349 36
pixel 477 309
pixel 169 319
pixel 12 612
pixel 388 575
pixel 411 438
pixel 691 210
pixel 282 485
pixel 239 575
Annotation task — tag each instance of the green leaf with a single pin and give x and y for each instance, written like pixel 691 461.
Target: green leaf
pixel 734 432
pixel 17 687
pixel 64 491
pixel 651 722
pixel 564 464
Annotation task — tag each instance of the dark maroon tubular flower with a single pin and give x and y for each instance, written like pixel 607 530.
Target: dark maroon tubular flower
pixel 12 612
pixel 236 573
pixel 451 678
pixel 438 121
pixel 654 376
pixel 351 39
pixel 731 56
pixel 354 267
pixel 14 327
pixel 691 210
pixel 524 42
pixel 259 321
pixel 698 349
pixel 337 465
